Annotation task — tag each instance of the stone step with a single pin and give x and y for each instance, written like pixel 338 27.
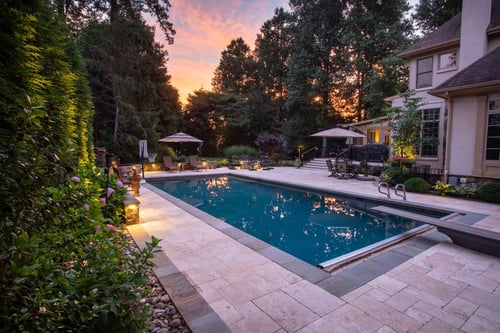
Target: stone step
pixel 317 164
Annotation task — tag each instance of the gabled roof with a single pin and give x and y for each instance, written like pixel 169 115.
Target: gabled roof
pixel 447 34
pixel 482 72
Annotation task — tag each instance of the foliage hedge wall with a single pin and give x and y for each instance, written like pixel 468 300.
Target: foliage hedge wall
pixel 64 265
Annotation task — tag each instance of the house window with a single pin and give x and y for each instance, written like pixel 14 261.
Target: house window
pixel 387 138
pixel 429 133
pixel 448 60
pixel 493 132
pixel 374 135
pixel 424 72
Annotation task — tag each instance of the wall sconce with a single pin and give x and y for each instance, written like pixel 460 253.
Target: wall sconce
pixel 131 207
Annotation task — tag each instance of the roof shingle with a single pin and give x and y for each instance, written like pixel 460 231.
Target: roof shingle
pixel 447 32
pixel 484 70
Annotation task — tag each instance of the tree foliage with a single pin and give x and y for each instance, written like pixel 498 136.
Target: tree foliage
pixel 79 13
pixel 405 124
pixel 235 73
pixel 320 64
pixel 375 32
pixel 62 265
pixel 430 14
pixel 133 97
pixel 273 49
pixel 219 119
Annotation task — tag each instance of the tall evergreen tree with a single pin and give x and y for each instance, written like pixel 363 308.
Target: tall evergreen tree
pixel 374 31
pixel 273 49
pixel 131 87
pixel 45 112
pixel 40 61
pixel 314 66
pixel 235 72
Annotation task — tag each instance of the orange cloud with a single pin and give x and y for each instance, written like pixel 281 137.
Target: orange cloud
pixel 204 29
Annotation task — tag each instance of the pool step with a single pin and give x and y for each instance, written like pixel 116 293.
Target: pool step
pixel 470 237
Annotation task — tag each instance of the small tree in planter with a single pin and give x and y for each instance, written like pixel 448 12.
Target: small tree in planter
pixel 405 124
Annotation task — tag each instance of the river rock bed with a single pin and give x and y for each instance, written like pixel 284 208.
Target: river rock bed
pixel 164 316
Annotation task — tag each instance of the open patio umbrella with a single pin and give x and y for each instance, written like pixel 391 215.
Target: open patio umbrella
pixel 336 132
pixel 182 138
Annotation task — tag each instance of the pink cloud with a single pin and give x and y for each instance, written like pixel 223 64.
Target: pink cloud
pixel 204 29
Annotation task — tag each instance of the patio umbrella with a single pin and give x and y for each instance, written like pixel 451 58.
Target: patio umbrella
pixel 181 138
pixel 336 132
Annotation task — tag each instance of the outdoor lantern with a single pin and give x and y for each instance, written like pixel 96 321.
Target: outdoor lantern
pixel 131 205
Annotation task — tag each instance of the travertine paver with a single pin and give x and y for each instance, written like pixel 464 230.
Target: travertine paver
pixel 461 308
pixel 387 315
pixel 436 325
pixel 388 284
pixel 401 301
pixel 254 320
pixel 446 288
pixel 312 296
pixel 286 311
pixel 347 319
pixel 483 320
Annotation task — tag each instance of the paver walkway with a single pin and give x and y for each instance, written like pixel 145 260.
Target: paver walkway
pixel 232 286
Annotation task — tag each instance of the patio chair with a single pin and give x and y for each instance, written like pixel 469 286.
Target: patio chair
pixel 340 170
pixel 234 163
pixel 195 164
pixel 265 163
pixel 344 170
pixel 168 164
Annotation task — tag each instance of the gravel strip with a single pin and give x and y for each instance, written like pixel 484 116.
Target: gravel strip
pixel 164 316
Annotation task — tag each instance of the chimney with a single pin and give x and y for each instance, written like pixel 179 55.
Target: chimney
pixel 473 40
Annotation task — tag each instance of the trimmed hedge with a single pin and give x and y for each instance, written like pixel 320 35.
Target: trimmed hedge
pixel 489 192
pixel 416 184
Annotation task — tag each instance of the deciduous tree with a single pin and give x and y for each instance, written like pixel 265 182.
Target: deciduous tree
pixel 430 14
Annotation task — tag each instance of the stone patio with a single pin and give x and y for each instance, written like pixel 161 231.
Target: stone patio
pixel 223 280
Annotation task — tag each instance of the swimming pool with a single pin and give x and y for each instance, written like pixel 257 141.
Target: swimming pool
pixel 315 227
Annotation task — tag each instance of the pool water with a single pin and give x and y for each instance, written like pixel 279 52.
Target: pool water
pixel 311 226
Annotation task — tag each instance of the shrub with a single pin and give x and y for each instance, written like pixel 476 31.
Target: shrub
pixel 271 145
pixel 489 192
pixel 394 175
pixel 454 190
pixel 240 151
pixel 74 271
pixel 416 184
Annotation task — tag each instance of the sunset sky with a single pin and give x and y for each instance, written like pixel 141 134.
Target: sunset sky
pixel 204 29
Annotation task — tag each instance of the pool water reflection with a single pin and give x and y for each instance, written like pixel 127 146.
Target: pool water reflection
pixel 314 227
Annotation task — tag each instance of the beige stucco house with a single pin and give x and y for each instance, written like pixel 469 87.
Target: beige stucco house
pixel 456 71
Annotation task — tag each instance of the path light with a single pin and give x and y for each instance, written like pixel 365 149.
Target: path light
pixel 131 205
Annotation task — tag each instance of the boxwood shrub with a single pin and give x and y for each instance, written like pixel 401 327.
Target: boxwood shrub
pixel 416 184
pixel 489 192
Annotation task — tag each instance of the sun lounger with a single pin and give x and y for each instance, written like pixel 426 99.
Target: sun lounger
pixel 168 164
pixel 195 164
